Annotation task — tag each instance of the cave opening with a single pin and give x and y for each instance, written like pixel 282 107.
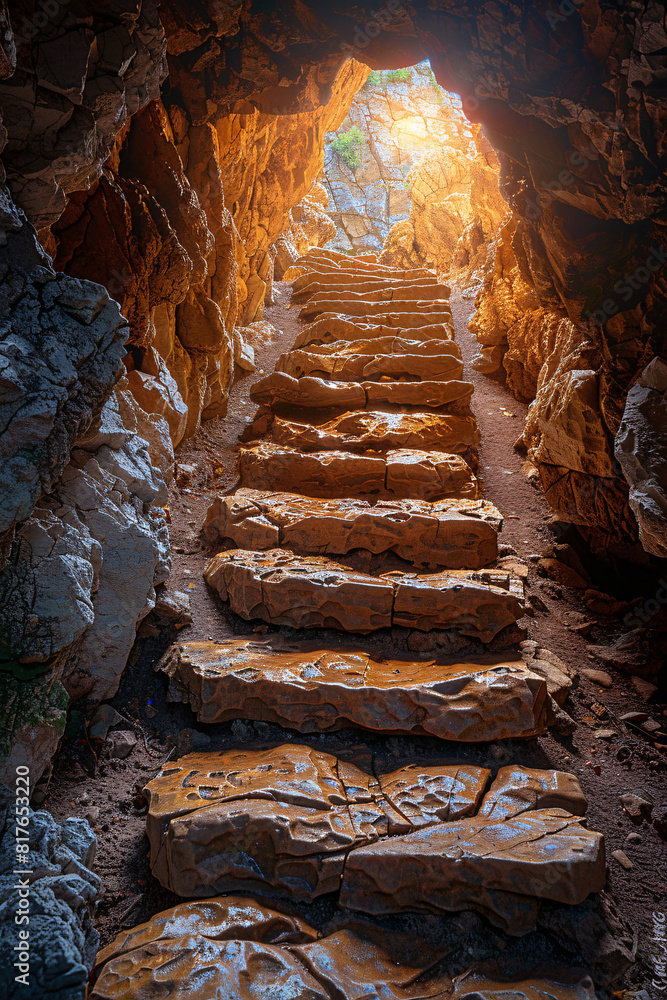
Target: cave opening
pixel 334 503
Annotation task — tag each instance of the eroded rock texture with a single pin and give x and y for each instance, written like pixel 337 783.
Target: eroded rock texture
pixel 312 392
pixel 451 533
pixel 232 944
pixel 306 824
pixel 401 473
pixel 63 891
pixel 317 690
pixel 314 592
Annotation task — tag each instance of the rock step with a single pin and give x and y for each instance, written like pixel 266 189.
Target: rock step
pixel 282 588
pixel 398 319
pixel 306 284
pixel 241 949
pixel 327 331
pixel 455 534
pixel 329 474
pixel 301 686
pixel 365 430
pixel 365 305
pixel 390 344
pixel 326 258
pixel 443 367
pixel 375 290
pixel 305 823
pixel 311 392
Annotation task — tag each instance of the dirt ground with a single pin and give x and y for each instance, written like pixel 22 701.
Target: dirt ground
pixel 87 781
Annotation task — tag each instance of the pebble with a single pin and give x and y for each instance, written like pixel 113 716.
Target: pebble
pixel 122 743
pixel 634 805
pixel 605 734
pixel 634 838
pixel 600 677
pixel 623 859
pixel 644 689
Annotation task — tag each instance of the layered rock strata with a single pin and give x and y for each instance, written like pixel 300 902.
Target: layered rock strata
pixel 233 943
pixel 333 328
pixel 305 823
pixel 317 690
pixel 313 592
pixel 346 366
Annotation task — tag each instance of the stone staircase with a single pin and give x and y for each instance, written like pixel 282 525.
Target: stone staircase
pixel 359 510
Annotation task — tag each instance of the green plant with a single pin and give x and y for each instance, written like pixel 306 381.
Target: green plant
pixel 348 146
pixel 393 75
pixel 374 78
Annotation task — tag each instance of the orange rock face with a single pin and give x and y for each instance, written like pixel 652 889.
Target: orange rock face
pixel 450 533
pixel 313 592
pixel 225 947
pixel 333 328
pixel 306 823
pixel 401 473
pixel 315 690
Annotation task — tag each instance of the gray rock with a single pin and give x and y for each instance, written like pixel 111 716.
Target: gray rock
pixel 62 894
pixel 121 744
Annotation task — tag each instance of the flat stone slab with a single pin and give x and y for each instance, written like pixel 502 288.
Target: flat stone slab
pixel 368 430
pixel 369 304
pixel 456 534
pixel 233 948
pixel 399 319
pixel 283 588
pixel 330 474
pixel 310 392
pixel 382 289
pixel 389 344
pixel 338 328
pixel 306 823
pixel 310 689
pixel 346 367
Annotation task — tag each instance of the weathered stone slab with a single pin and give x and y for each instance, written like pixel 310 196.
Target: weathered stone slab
pixel 402 473
pixel 287 817
pixel 372 367
pixel 346 303
pixel 234 948
pixel 389 344
pixel 315 690
pixel 332 328
pixel 314 592
pixel 368 430
pixel 451 533
pixel 517 789
pixel 545 853
pixel 317 393
pixel 378 289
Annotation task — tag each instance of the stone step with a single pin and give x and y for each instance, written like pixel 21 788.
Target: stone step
pixel 283 588
pixel 374 290
pixel 401 473
pixel 373 367
pixel 366 305
pixel 365 430
pixel 341 279
pixel 329 258
pixel 327 331
pixel 310 392
pixel 305 823
pixel 455 534
pixel 304 687
pixel 233 948
pixel 389 344
pixel 398 319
